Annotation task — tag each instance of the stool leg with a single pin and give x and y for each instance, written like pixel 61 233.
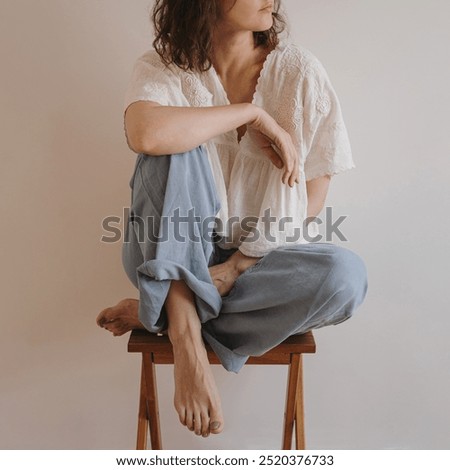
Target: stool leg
pixel 143 423
pixel 152 400
pixel 291 389
pixel 299 410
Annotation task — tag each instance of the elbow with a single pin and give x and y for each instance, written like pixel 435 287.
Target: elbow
pixel 140 143
pixel 143 128
pixel 142 147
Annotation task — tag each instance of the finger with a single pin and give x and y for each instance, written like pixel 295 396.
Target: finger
pixel 288 172
pixel 293 176
pixel 288 165
pixel 274 157
pixel 293 180
pixel 297 171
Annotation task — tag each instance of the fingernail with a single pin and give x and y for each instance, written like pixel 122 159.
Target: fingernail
pixel 215 425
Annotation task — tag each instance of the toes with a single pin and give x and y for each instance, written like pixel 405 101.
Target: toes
pixel 112 325
pixel 116 327
pixel 108 324
pixel 126 309
pixel 104 317
pixel 182 415
pixel 190 421
pixel 198 424
pixel 121 329
pixel 215 418
pixel 216 424
pixel 205 424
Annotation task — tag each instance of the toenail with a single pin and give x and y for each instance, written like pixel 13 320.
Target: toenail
pixel 215 425
pixel 205 435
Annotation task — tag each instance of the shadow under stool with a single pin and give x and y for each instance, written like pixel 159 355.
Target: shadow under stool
pixel 157 349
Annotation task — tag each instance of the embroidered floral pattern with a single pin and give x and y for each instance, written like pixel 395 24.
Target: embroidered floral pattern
pixel 195 92
pixel 323 103
pixel 155 90
pixel 289 114
pixel 296 60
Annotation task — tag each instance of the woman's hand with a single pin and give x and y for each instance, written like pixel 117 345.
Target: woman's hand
pixel 277 145
pixel 153 129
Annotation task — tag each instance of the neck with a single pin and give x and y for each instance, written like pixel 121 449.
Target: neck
pixel 232 50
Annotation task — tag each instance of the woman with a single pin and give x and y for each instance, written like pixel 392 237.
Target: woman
pixel 236 126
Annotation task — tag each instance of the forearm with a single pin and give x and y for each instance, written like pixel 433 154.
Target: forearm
pixel 314 208
pixel 161 130
pixel 317 190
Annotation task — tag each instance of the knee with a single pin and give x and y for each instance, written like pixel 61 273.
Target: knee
pixel 188 172
pixel 348 277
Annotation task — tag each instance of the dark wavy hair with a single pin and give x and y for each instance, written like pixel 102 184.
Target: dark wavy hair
pixel 184 29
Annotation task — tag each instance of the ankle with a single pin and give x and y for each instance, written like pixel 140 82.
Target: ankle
pixel 241 262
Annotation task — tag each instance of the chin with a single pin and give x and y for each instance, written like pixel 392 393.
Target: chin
pixel 263 25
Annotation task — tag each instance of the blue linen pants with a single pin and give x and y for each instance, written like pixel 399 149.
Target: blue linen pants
pixel 291 290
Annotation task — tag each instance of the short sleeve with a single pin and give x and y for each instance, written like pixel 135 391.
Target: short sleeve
pixel 327 145
pixel 150 81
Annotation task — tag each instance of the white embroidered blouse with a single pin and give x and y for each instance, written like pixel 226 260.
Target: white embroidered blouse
pixel 295 89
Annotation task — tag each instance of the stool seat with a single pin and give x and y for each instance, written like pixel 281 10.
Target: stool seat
pixel 157 349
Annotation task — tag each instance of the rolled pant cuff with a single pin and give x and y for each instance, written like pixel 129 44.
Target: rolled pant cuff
pixel 154 278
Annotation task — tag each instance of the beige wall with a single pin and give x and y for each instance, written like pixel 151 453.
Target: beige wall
pixel 378 381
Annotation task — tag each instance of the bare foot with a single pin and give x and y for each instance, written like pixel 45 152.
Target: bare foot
pixel 121 318
pixel 224 275
pixel 196 396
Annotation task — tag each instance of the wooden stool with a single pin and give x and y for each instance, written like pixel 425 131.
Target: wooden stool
pixel 157 349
